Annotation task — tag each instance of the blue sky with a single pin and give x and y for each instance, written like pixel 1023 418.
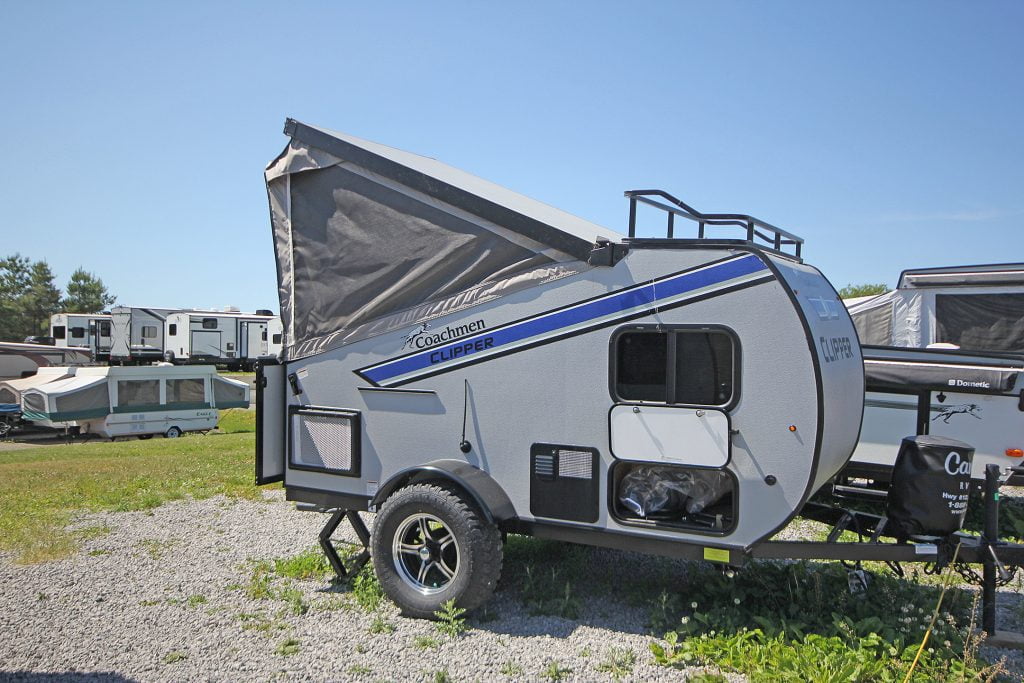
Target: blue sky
pixel 888 135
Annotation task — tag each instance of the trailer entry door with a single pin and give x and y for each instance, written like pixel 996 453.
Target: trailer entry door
pixel 271 416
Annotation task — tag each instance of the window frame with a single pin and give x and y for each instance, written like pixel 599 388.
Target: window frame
pixel 210 324
pixel 670 369
pixel 143 335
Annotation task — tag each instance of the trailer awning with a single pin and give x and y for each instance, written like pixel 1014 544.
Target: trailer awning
pixel 913 370
pixel 369 239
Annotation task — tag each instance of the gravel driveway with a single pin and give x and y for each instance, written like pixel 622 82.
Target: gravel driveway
pixel 163 596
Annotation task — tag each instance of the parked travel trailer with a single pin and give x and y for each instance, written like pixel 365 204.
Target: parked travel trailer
pixel 22 360
pixel 972 308
pixel 138 334
pixel 976 398
pixel 238 340
pixel 135 401
pixel 466 363
pixel 83 330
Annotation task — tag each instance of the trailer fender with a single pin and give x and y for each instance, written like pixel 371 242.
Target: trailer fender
pixel 485 492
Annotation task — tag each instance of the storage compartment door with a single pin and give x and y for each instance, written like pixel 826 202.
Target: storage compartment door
pixel 271 422
pixel 206 344
pixel 687 436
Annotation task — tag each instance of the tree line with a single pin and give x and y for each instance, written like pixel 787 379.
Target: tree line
pixel 29 295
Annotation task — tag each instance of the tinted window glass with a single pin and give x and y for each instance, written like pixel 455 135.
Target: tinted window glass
pixel 105 329
pixel 172 329
pixel 59 332
pixel 641 366
pixel 209 323
pixel 277 338
pixel 148 332
pixel 981 322
pixel 703 368
pixel 77 332
pixel 679 366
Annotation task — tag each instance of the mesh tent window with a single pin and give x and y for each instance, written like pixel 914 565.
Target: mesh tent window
pixel 138 392
pixel 90 401
pixel 185 391
pixel 8 395
pixel 981 322
pixel 34 402
pixel 228 394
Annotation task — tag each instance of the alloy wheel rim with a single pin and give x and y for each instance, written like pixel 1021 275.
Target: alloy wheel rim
pixel 425 553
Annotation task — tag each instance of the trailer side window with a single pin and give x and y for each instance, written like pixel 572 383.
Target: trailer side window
pixel 138 392
pixel 185 391
pixel 209 323
pixel 694 367
pixel 148 331
pixel 78 333
pixel 59 332
pixel 263 334
pixel 104 329
pixel 172 329
pixel 277 338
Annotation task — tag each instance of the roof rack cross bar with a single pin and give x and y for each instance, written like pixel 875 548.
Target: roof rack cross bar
pixel 758 232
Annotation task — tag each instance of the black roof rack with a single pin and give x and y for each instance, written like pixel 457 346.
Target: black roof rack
pixel 758 232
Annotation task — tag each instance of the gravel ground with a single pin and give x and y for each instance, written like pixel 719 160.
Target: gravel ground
pixel 160 597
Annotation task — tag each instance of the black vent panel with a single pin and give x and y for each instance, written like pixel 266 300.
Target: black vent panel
pixel 564 482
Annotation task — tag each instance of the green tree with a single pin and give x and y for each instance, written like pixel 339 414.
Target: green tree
pixel 15 278
pixel 853 291
pixel 86 293
pixel 40 300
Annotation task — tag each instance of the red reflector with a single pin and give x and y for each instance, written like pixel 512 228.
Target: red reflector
pixel 1015 452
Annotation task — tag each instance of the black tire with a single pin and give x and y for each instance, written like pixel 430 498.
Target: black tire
pixel 173 433
pixel 467 573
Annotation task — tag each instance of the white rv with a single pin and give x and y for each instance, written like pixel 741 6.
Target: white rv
pixel 23 360
pixel 137 334
pixel 83 330
pixel 135 401
pixel 238 340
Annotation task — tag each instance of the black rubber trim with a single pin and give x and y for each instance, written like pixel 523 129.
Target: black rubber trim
pixel 488 495
pixel 327 500
pixel 260 382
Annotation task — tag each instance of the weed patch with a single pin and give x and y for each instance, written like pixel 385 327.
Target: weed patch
pixel 174 656
pixel 618 663
pixel 450 620
pixel 287 648
pixel 381 625
pixel 554 671
pixel 426 642
pixel 309 564
pixel 367 591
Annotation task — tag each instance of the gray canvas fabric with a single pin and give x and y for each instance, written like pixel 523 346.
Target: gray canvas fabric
pixel 89 401
pixel 369 238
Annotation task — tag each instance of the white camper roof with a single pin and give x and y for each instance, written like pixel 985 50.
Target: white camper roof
pixel 369 238
pixel 989 275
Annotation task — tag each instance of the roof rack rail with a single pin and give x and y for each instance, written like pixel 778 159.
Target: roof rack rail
pixel 758 232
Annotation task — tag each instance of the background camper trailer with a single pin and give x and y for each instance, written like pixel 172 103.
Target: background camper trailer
pixel 81 330
pixel 22 360
pixel 478 364
pixel 137 334
pixel 238 340
pixel 135 401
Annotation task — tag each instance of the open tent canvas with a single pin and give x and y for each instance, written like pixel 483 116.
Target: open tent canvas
pixel 976 308
pixel 370 239
pixel 11 389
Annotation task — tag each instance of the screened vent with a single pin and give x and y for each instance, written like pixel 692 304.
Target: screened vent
pixel 576 464
pixel 564 482
pixel 8 395
pixel 325 440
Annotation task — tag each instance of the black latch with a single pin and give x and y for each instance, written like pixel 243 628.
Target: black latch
pixel 293 379
pixel 607 253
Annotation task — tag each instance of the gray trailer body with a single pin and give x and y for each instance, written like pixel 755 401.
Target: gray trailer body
pixel 514 350
pixel 137 334
pixel 230 338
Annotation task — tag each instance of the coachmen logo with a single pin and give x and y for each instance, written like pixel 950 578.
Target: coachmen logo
pixel 422 338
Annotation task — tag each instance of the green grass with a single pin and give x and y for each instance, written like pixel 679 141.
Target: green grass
pixel 42 488
pixel 309 564
pixel 237 421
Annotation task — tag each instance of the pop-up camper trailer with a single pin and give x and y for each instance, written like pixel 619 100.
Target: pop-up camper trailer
pixel 970 308
pixel 465 361
pixel 135 401
pixel 11 390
